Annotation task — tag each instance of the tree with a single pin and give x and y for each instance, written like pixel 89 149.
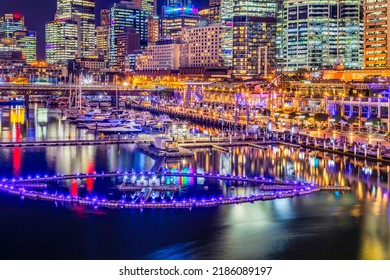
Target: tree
pixel 320 118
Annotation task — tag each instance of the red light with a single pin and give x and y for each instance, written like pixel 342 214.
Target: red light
pixel 90 170
pixel 74 188
pixel 17 17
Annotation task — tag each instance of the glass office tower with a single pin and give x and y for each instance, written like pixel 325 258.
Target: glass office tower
pixel 254 37
pixel 83 12
pixel 322 34
pixel 123 15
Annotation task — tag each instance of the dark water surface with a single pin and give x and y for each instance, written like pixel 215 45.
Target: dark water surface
pixel 325 225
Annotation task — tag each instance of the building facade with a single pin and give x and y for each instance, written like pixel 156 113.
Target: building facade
pixel 102 41
pixel 61 40
pixel 150 6
pixel 27 43
pixel 376 34
pixel 226 18
pixel 321 34
pixel 128 43
pixel 254 37
pixel 162 56
pixel 105 17
pixel 9 23
pixel 202 47
pixel 83 12
pixel 215 11
pixel 153 29
pixel 123 15
pixel 176 18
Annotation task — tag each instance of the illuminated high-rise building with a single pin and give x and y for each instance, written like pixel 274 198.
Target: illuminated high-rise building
pixel 9 23
pixel 175 3
pixel 13 29
pixel 27 42
pixel 153 29
pixel 226 17
pixel 376 34
pixel 61 40
pixel 201 46
pixel 150 6
pixel 215 9
pixel 226 10
pixel 105 17
pixel 123 15
pixel 83 12
pixel 176 18
pixel 254 36
pixel 102 35
pixel 102 41
pixel 322 34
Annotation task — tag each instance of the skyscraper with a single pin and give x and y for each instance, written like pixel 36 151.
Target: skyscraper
pixel 254 35
pixel 102 35
pixel 175 3
pixel 153 29
pixel 376 34
pixel 324 33
pixel 123 15
pixel 9 23
pixel 27 42
pixel 149 6
pixel 226 10
pixel 226 17
pixel 105 17
pixel 102 41
pixel 61 40
pixel 215 7
pixel 175 18
pixel 83 12
pixel 13 29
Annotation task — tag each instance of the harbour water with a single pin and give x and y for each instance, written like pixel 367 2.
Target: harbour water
pixel 324 225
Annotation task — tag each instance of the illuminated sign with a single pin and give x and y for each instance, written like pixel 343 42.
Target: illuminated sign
pixel 181 10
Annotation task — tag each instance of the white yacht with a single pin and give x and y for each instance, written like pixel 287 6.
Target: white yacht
pixel 104 124
pixel 127 127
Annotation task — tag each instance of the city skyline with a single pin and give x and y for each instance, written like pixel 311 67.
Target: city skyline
pixel 36 16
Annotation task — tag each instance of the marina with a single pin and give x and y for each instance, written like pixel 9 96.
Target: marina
pixel 224 173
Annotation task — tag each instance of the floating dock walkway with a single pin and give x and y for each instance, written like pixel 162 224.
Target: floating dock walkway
pixel 59 143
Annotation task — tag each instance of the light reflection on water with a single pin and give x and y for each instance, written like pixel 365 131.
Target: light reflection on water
pixel 330 225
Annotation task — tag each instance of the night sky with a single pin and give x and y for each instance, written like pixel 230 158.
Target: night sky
pixel 39 12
